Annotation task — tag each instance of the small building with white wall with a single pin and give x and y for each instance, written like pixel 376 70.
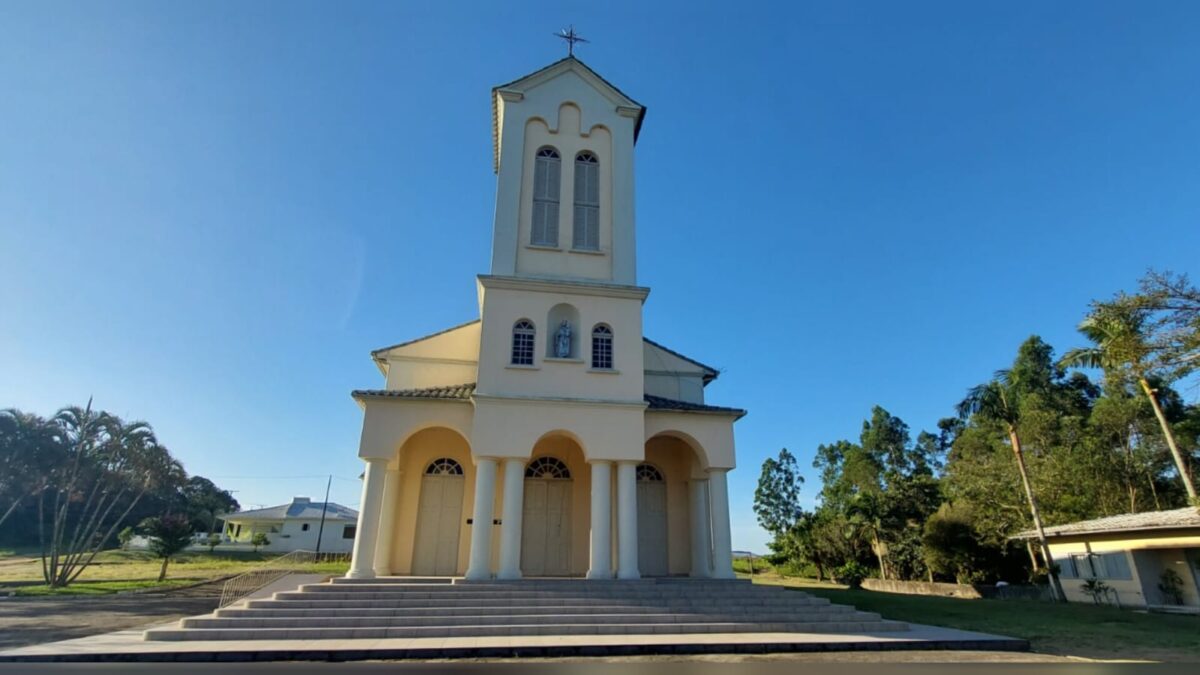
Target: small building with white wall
pixel 295 526
pixel 548 436
pixel 1149 559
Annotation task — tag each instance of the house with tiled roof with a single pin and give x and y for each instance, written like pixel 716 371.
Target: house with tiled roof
pixel 548 436
pixel 297 526
pixel 1149 559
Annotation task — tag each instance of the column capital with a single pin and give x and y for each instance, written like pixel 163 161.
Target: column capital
pixel 601 461
pixel 717 471
pixel 628 462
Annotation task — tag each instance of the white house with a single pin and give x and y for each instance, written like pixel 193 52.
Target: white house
pixel 548 436
pixel 295 526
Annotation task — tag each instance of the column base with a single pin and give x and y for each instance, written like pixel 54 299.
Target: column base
pixel 727 575
pixel 360 574
pixel 508 576
pixel 629 575
pixel 382 572
pixel 599 574
pixel 472 575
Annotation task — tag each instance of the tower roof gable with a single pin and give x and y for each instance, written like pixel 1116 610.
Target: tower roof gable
pixel 542 75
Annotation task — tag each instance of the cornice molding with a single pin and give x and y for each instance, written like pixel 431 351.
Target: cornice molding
pixel 560 286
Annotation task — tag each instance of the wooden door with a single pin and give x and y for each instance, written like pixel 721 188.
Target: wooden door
pixel 546 528
pixel 652 523
pixel 439 520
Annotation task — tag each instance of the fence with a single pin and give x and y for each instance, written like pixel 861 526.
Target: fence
pixel 272 570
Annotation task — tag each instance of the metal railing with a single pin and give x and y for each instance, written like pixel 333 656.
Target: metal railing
pixel 272 570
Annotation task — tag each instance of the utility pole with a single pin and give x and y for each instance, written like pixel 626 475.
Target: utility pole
pixel 324 508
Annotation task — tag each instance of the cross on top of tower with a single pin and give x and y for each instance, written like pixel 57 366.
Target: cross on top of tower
pixel 571 37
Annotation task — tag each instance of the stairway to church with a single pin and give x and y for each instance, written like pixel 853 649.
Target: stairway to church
pixel 396 607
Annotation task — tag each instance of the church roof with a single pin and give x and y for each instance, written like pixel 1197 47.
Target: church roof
pixel 568 62
pixel 375 353
pixel 710 372
pixel 463 392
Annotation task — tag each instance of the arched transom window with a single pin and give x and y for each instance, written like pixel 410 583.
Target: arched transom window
pixel 444 467
pixel 522 343
pixel 547 467
pixel 602 347
pixel 587 202
pixel 648 473
pixel 547 169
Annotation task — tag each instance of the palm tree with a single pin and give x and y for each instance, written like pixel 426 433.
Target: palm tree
pixel 1122 345
pixel 997 401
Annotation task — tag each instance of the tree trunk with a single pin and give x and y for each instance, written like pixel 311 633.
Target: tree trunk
pixel 12 508
pixel 1055 585
pixel 162 571
pixel 1162 421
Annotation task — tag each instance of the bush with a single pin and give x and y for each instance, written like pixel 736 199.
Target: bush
pixel 213 540
pixel 851 574
pixel 259 539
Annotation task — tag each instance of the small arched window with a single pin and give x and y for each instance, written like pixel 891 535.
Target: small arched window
pixel 587 202
pixel 522 343
pixel 547 467
pixel 602 347
pixel 444 467
pixel 547 169
pixel 648 473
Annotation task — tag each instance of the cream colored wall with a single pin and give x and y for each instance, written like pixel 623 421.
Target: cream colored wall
pixel 506 427
pixel 677 462
pixel 388 423
pixel 593 121
pixel 711 434
pixel 446 359
pixel 669 376
pixel 503 307
pixel 569 140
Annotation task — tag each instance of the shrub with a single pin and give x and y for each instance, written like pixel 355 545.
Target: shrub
pixel 213 540
pixel 259 539
pixel 1095 588
pixel 1171 586
pixel 851 574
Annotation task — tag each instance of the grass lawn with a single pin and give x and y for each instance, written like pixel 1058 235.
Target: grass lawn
pixel 1069 630
pixel 115 571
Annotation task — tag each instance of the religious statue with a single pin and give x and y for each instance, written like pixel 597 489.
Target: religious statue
pixel 562 340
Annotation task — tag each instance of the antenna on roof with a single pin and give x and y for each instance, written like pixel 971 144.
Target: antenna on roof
pixel 571 37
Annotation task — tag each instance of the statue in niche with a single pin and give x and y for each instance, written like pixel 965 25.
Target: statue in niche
pixel 562 340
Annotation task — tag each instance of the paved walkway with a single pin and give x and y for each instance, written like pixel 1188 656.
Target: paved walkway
pixel 129 646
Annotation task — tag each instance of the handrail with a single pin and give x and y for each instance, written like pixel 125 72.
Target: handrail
pixel 246 583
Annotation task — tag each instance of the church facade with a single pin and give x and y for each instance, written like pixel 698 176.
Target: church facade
pixel 549 437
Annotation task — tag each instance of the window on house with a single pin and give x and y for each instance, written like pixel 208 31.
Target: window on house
pixel 602 347
pixel 1114 565
pixel 587 202
pixel 522 343
pixel 348 531
pixel 547 169
pixel 304 527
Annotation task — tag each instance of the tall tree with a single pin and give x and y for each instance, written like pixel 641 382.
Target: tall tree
pixel 30 450
pixel 777 497
pixel 1123 346
pixel 1000 400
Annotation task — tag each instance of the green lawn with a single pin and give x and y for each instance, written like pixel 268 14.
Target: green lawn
pixel 1069 630
pixel 116 571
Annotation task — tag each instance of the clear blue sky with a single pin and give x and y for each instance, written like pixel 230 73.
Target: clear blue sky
pixel 211 212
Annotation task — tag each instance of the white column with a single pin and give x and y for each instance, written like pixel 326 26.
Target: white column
pixel 601 532
pixel 701 529
pixel 480 565
pixel 387 524
pixel 510 519
pixel 627 535
pixel 365 534
pixel 722 543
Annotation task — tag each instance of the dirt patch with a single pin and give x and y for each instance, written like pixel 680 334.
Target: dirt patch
pixel 28 621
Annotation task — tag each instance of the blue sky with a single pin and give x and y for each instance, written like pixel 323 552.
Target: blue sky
pixel 211 212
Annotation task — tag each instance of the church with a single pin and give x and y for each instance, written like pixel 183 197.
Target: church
pixel 549 437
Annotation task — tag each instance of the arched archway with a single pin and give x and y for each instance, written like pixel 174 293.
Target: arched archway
pixel 437 480
pixel 439 518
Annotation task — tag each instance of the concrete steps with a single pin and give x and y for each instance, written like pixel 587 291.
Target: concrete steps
pixel 406 607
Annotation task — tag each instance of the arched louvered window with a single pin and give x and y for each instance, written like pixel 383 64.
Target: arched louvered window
pixel 602 347
pixel 587 202
pixel 648 473
pixel 547 171
pixel 522 343
pixel 547 467
pixel 444 467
